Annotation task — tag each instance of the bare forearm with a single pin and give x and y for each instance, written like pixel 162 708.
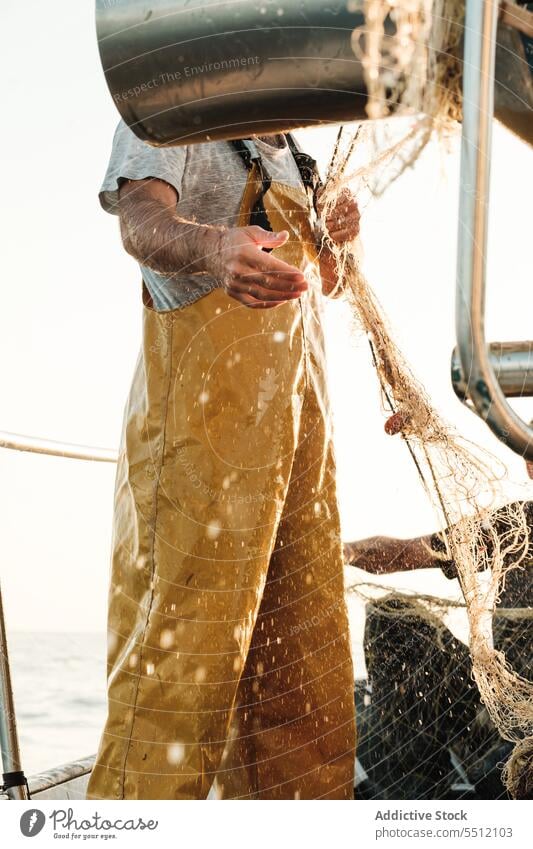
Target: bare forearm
pixel 161 240
pixel 381 555
pixel 238 258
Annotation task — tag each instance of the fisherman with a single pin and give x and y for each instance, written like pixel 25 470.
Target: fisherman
pixel 434 692
pixel 226 529
pixel 382 555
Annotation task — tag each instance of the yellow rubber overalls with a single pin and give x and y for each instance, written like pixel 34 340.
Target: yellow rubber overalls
pixel 228 644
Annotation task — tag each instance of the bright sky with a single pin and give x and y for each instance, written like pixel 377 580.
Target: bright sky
pixel 70 323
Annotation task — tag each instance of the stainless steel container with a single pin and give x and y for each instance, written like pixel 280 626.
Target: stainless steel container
pixel 181 71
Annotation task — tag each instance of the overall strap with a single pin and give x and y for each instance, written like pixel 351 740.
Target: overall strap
pixel 306 164
pixel 251 156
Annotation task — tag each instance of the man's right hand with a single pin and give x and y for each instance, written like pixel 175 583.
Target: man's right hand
pixel 156 236
pixel 250 274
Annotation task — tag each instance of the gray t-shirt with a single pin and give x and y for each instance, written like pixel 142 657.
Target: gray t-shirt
pixel 209 179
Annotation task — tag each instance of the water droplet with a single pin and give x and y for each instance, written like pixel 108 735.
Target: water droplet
pixel 200 674
pixel 167 639
pixel 213 529
pixel 175 753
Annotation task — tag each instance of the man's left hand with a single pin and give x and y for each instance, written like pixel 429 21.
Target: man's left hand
pixel 342 222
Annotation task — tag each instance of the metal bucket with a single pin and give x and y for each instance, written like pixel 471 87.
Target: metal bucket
pixel 183 71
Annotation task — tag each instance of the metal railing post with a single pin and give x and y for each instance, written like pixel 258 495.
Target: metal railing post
pixel 482 384
pixel 8 725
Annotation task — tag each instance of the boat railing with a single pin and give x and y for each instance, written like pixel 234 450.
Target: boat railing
pixel 477 370
pixel 480 381
pixel 14 782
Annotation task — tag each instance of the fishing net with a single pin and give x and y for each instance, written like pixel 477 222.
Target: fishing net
pixel 411 54
pixel 415 68
pixel 465 485
pixel 420 711
pixel 411 57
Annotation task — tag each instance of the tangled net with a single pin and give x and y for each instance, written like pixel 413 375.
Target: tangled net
pixel 415 70
pixel 411 54
pixel 419 708
pixel 463 487
pixel 518 771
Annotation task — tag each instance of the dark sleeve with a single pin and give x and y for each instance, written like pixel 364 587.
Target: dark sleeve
pixel 448 567
pixel 437 544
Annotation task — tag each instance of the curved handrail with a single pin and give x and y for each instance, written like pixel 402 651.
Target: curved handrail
pixel 478 110
pixel 9 745
pixel 35 445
